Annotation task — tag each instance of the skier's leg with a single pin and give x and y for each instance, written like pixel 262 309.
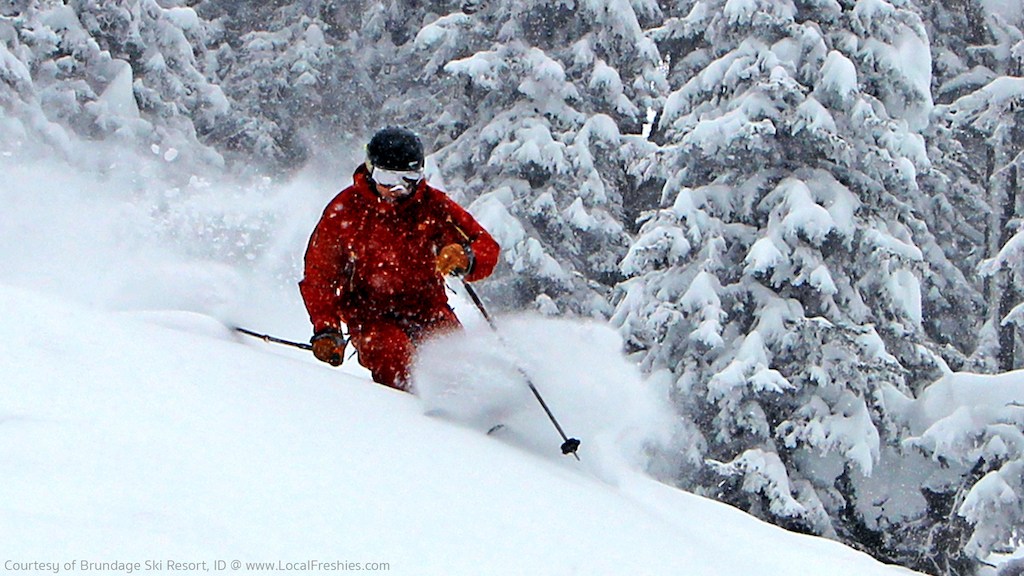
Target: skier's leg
pixel 386 348
pixel 386 351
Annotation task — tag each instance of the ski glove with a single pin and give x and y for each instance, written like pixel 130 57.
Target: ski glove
pixel 454 259
pixel 329 346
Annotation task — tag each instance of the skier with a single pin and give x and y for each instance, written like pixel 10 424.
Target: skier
pixel 377 259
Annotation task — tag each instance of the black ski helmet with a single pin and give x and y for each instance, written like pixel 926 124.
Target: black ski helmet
pixel 395 148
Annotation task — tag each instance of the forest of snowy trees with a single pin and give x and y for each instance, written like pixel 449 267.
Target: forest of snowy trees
pixel 802 215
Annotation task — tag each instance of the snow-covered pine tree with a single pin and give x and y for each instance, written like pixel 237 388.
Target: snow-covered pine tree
pixel 131 70
pixel 974 144
pixel 982 91
pixel 543 108
pixel 969 427
pixel 364 49
pixel 784 280
pixel 276 66
pixel 956 210
pixel 381 80
pixel 21 113
pixel 310 76
pixel 1010 260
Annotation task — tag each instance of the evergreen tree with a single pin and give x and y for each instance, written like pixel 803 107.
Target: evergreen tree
pixel 543 105
pixel 982 87
pixel 130 70
pixel 785 278
pixel 968 427
pixel 1011 260
pixel 21 112
pixel 302 75
pixel 276 67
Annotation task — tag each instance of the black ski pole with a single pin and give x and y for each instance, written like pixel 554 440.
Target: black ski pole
pixel 569 445
pixel 268 338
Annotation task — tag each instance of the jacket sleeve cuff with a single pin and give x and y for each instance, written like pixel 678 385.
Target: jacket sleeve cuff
pixel 330 333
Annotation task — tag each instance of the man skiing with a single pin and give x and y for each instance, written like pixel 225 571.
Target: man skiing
pixel 377 259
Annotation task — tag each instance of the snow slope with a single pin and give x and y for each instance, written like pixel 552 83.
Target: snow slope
pixel 127 437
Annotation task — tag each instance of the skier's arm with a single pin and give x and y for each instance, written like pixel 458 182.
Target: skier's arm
pixel 324 285
pixel 470 234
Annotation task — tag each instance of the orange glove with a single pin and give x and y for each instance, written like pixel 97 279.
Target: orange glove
pixel 452 260
pixel 329 346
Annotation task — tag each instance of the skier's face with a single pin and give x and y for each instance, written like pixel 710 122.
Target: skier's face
pixel 394 193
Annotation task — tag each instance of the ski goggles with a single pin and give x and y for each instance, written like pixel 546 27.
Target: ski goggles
pixel 396 177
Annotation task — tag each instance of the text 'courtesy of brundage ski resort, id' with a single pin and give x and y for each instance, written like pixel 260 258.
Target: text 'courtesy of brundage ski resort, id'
pixel 148 566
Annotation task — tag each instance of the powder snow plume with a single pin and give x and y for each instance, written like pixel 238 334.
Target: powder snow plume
pixel 473 377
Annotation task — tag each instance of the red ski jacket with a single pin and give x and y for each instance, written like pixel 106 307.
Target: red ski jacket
pixel 369 259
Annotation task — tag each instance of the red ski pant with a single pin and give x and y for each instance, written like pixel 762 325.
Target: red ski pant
pixel 386 346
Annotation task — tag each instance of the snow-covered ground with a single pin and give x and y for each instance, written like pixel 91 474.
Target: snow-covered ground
pixel 128 437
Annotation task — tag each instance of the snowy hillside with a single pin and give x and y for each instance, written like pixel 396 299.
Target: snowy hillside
pixel 128 437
